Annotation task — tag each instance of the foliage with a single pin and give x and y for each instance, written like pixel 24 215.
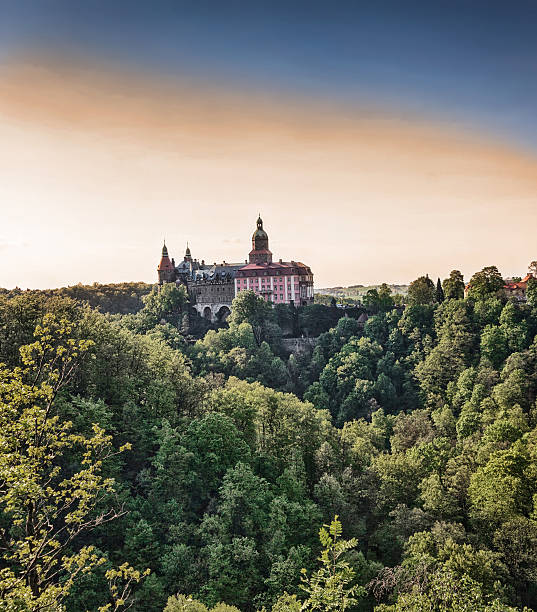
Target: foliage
pixel 487 282
pixel 421 291
pixel 531 292
pixel 379 300
pixel 49 504
pixel 439 294
pixel 182 603
pixel 416 427
pixel 330 587
pixel 453 286
pixel 114 298
pixel 248 308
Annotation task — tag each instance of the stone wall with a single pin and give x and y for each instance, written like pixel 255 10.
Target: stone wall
pixel 299 345
pixel 212 292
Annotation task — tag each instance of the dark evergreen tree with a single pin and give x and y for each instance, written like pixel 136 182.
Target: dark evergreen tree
pixel 439 292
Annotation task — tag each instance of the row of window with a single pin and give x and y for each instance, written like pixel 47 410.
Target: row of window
pixel 262 284
pixel 275 296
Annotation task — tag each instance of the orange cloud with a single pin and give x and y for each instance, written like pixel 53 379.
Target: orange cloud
pixel 97 166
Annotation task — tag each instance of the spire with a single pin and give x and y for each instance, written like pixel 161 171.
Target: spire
pixel 260 245
pixel 165 268
pixel 188 255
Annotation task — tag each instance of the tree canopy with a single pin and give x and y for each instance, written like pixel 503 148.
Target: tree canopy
pixel 152 461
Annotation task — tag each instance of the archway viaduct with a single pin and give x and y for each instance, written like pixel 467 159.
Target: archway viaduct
pixel 214 312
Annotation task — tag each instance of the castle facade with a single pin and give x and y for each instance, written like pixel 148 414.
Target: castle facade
pixel 212 287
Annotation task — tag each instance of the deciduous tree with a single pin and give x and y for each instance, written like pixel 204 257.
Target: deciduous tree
pixel 421 291
pixel 453 286
pixel 48 503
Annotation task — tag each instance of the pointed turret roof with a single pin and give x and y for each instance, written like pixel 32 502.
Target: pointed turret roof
pixel 165 263
pixel 188 254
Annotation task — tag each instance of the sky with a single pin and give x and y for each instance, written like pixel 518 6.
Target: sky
pixel 379 140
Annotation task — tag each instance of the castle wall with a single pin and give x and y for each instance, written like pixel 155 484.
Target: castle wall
pixel 212 292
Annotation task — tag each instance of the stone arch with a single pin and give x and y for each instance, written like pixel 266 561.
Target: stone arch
pixel 207 313
pixel 223 313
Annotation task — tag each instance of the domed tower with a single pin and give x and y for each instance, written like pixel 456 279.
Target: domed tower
pixel 166 270
pixel 188 254
pixel 260 253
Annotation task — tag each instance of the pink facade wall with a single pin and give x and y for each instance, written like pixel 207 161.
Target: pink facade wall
pixel 281 289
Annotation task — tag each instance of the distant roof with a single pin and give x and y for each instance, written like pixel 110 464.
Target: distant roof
pixel 165 264
pixel 275 265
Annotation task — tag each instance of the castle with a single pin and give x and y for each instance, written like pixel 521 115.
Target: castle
pixel 212 287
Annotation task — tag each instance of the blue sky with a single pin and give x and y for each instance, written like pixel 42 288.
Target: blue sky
pixel 470 62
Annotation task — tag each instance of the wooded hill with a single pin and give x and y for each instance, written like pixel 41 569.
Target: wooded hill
pixel 142 467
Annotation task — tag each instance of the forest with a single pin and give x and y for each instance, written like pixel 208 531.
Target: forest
pixel 154 462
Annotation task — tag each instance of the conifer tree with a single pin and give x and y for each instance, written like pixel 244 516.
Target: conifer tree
pixel 439 292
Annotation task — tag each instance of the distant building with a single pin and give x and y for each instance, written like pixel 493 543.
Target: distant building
pixel 213 287
pixel 512 289
pixel 517 289
pixel 282 282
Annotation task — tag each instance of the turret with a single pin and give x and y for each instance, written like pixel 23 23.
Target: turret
pixel 188 255
pixel 260 246
pixel 165 270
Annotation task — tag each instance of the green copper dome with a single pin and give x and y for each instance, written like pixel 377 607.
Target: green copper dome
pixel 259 234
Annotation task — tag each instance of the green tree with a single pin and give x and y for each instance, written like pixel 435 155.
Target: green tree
pixel 439 572
pixel 421 291
pixel 447 593
pixel 247 307
pixel 486 283
pixel 287 603
pixel 531 292
pixel 453 286
pixel 49 503
pixel 385 299
pixel 166 302
pixel 439 295
pixel 184 603
pixel 316 319
pixel 494 345
pixel 503 488
pixel 331 586
pixel 371 300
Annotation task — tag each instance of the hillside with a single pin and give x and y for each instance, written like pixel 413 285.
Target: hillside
pixel 143 466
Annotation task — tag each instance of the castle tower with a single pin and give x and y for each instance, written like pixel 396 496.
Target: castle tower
pixel 165 270
pixel 188 255
pixel 260 253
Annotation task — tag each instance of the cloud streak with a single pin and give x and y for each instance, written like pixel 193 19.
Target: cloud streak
pixel 90 156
